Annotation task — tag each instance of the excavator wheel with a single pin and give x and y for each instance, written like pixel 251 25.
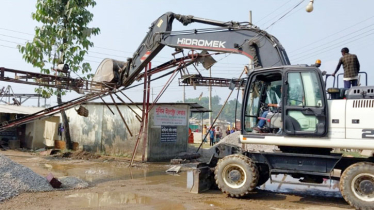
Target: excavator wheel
pixel 236 175
pixel 357 185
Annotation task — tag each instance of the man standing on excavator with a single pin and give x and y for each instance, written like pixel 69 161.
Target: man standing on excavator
pixel 351 68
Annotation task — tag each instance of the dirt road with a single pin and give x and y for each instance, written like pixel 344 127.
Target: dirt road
pixel 112 185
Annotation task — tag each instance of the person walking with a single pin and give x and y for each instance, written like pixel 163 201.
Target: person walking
pixel 232 130
pixel 218 134
pixel 212 134
pixel 205 129
pixel 228 131
pixel 351 67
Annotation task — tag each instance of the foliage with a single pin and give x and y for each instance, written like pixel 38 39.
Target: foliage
pixel 63 37
pixel 228 113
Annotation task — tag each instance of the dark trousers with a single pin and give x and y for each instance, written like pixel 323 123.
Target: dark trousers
pixel 211 141
pixel 350 83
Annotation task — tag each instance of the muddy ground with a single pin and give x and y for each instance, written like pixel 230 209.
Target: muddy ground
pixel 112 185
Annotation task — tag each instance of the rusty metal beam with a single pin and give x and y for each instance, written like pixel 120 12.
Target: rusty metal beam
pixel 130 100
pixel 47 80
pixel 107 105
pixel 198 80
pixel 145 136
pixel 120 113
pixel 137 116
pixel 49 111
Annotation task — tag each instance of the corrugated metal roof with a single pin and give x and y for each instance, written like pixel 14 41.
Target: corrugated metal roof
pixel 19 109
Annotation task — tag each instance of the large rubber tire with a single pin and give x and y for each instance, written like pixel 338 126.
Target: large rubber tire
pixel 236 175
pixel 350 181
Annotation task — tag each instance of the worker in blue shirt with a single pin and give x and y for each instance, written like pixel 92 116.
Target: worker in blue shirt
pixel 212 134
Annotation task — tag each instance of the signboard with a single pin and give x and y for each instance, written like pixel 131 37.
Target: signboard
pixel 164 115
pixel 168 133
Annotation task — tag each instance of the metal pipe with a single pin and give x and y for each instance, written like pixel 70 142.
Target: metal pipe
pixel 120 113
pixel 186 19
pixel 143 116
pixel 130 100
pixel 223 106
pixel 145 136
pixel 106 105
pixel 137 116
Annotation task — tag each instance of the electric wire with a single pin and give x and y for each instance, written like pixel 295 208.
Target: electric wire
pixel 332 47
pixel 300 54
pixel 90 51
pixel 338 32
pixel 264 18
pixel 285 14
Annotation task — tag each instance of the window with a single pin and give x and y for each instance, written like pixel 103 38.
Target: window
pixel 253 103
pixel 264 89
pixel 274 93
pixel 304 92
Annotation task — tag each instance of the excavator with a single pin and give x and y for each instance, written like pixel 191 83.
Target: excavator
pixel 308 124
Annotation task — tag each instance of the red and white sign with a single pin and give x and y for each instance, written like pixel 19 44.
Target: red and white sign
pixel 165 115
pixel 145 56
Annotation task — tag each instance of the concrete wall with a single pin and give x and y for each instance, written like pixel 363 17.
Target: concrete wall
pixel 104 132
pixel 35 130
pixel 164 151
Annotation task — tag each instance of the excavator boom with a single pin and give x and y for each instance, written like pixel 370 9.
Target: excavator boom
pixel 229 37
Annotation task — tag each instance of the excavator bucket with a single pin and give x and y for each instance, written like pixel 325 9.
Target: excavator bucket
pixel 200 179
pixel 108 71
pixel 207 60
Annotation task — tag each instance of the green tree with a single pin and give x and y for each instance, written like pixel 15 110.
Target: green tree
pixel 63 38
pixel 204 101
pixel 228 112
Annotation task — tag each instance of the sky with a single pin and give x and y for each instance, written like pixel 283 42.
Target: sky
pixel 321 34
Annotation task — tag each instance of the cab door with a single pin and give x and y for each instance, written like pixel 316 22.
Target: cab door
pixel 304 103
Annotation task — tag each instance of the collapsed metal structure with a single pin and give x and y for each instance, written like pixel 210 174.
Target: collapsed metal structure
pixel 98 90
pixel 7 96
pixel 227 38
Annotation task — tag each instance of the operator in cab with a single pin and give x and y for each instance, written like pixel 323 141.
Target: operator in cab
pixel 262 121
pixel 351 68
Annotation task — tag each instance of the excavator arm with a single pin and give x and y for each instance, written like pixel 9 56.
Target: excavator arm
pixel 229 37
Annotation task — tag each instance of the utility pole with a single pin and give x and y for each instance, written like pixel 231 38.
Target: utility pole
pixel 210 98
pixel 184 93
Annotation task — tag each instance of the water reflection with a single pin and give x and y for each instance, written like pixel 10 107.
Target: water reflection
pixel 102 172
pixel 108 199
pixel 287 184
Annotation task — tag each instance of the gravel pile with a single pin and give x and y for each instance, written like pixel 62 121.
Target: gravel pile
pixel 233 139
pixel 69 183
pixel 16 178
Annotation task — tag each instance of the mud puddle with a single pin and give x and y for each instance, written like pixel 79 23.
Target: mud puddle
pixel 106 199
pixel 286 184
pixel 102 172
